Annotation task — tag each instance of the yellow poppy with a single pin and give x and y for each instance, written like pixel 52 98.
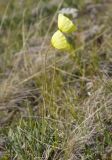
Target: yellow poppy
pixel 59 41
pixel 65 24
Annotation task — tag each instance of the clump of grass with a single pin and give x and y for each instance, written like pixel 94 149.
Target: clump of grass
pixel 74 130
pixel 34 139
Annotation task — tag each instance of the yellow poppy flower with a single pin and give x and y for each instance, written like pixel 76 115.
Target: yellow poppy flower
pixel 65 24
pixel 59 41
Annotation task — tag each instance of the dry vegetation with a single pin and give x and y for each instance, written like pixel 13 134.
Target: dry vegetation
pixel 54 106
